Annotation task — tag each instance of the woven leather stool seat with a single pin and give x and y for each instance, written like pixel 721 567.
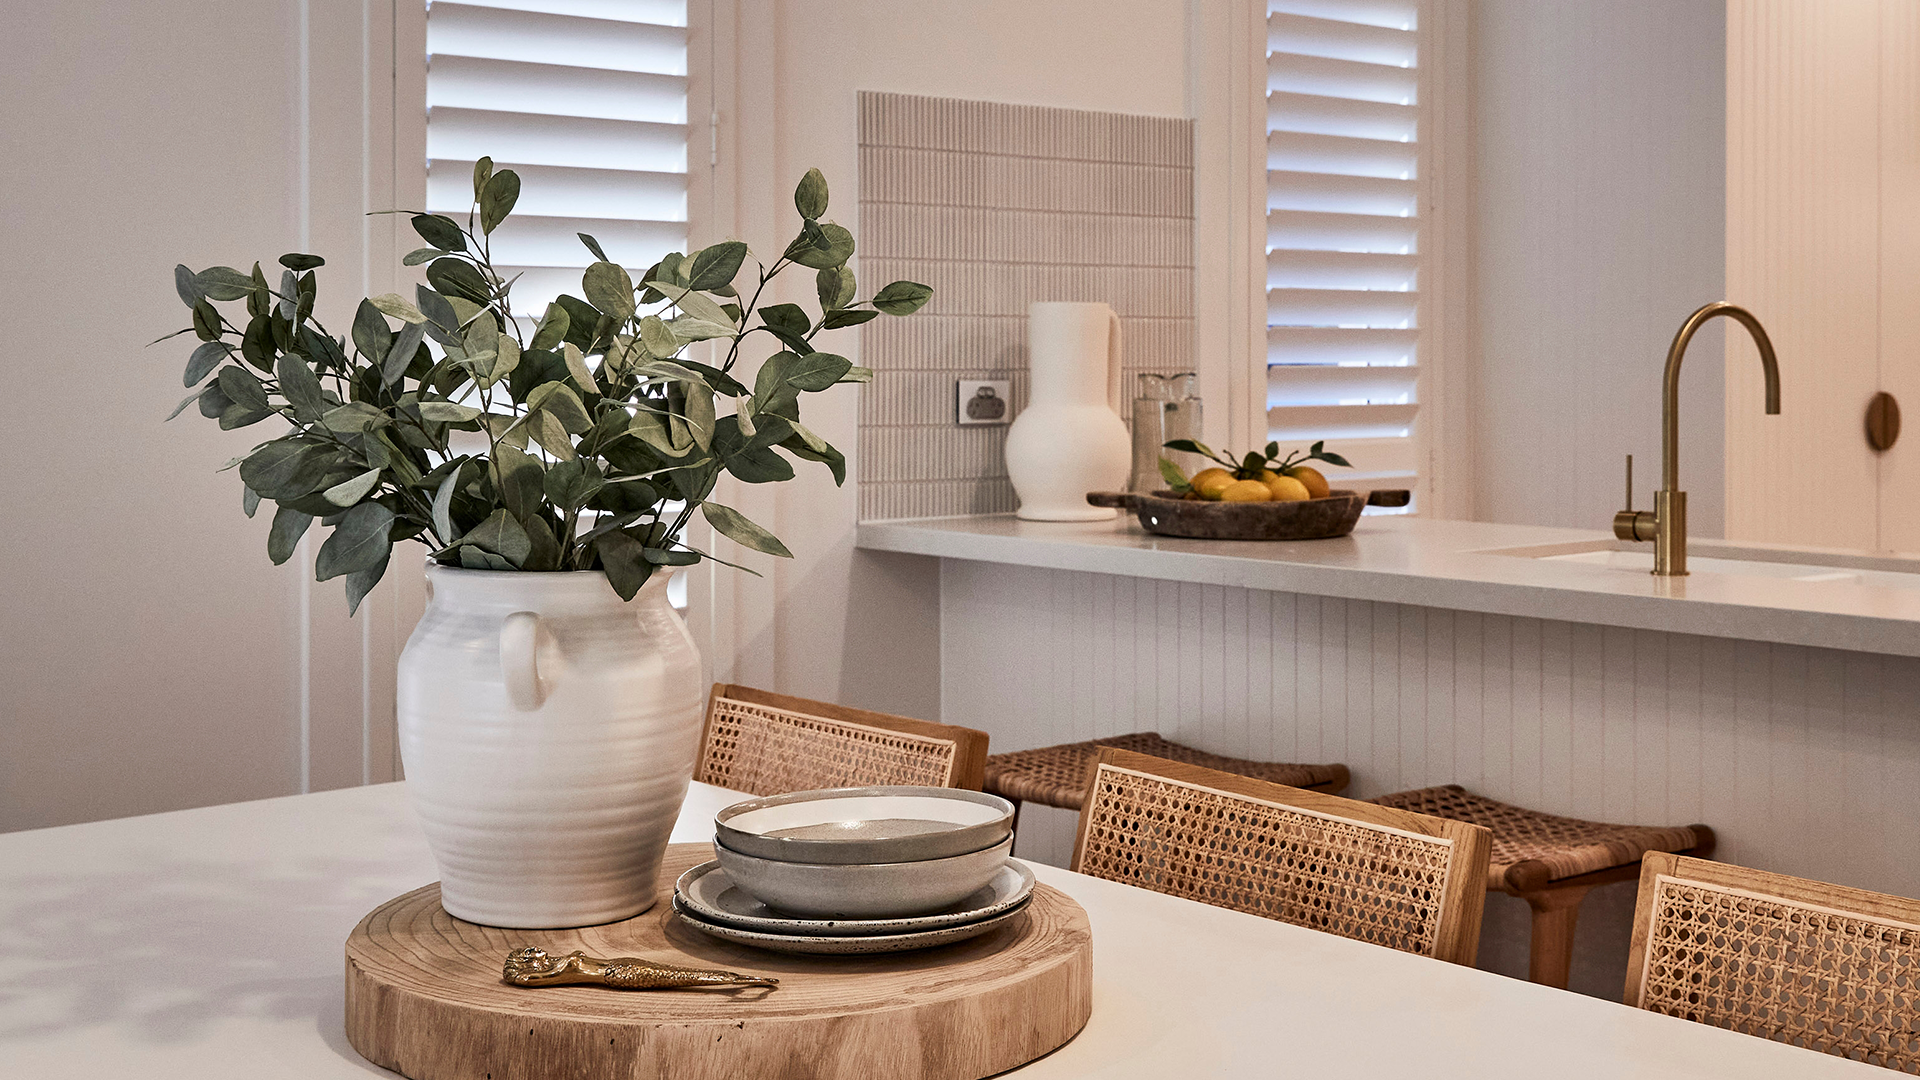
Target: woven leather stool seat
pixel 1552 862
pixel 1058 775
pixel 1531 849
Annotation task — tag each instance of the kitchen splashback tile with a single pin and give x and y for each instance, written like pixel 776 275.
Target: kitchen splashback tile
pixel 996 206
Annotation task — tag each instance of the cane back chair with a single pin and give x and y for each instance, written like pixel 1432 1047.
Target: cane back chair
pixel 1386 876
pixel 1819 966
pixel 764 743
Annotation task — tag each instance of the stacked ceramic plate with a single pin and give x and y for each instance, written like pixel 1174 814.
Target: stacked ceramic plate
pixel 857 870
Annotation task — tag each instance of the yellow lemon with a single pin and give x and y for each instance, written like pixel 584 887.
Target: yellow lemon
pixel 1317 486
pixel 1210 482
pixel 1286 489
pixel 1245 491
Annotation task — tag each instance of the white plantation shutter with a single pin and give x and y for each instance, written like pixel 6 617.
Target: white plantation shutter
pixel 587 101
pixel 1343 232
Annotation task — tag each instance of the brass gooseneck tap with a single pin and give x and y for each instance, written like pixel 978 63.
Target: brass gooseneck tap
pixel 1666 523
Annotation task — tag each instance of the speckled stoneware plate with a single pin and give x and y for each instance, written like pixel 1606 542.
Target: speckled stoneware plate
pixel 705 891
pixel 847 946
pixel 865 825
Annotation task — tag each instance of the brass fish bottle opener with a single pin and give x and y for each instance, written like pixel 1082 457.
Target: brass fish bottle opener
pixel 536 967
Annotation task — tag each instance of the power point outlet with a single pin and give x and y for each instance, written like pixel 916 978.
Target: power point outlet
pixel 982 401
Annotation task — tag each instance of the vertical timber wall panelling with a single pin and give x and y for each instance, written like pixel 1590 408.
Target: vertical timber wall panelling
pixel 1899 469
pixel 1598 176
pixel 1805 761
pixel 996 206
pixel 153 659
pixel 1803 232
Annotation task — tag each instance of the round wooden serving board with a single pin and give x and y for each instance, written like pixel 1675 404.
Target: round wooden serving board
pixel 425 999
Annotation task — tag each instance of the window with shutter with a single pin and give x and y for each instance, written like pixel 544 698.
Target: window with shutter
pixel 1343 233
pixel 587 101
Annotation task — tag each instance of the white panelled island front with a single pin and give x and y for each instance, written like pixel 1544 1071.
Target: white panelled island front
pixel 1772 694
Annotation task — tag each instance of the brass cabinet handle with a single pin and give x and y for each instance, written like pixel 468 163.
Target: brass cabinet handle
pixel 1883 422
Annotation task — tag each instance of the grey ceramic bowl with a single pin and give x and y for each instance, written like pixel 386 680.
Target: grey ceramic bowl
pixel 865 825
pixel 863 891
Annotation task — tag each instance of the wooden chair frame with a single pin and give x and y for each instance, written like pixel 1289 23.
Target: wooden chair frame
pixel 1463 898
pixel 1886 1031
pixel 969 746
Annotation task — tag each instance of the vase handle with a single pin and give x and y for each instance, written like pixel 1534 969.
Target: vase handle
pixel 1114 381
pixel 520 660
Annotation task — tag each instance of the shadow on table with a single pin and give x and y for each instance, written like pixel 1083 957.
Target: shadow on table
pixel 167 952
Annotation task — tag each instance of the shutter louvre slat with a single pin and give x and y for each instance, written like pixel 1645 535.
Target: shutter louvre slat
pixel 1343 231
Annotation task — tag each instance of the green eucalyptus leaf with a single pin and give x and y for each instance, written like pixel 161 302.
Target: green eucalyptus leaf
pixel 447 412
pixel 720 381
pixel 817 371
pixel 453 277
pixel 694 304
pixel 406 346
pixel 902 298
pixel 352 418
pixel 224 283
pixel 649 428
pixel 810 198
pixel 496 202
pixel 358 542
pixel 736 527
pixel 593 246
pixel 625 562
pixel 422 255
pixel 289 525
pixel 443 507
pixel 286 468
pixel 858 375
pixel 396 305
pixel 577 367
pixel 436 309
pixel 249 499
pixel 699 413
pixel 790 319
pixel 553 328
pixel 243 387
pixel 185 284
pixel 301 387
pixel 519 478
pixel 300 263
pixel 715 266
pixel 440 231
pixel 835 287
pixel 348 492
pixel 547 430
pixel 371 335
pixel 188 400
pixel 361 582
pixel 609 289
pixel 482 172
pixel 689 329
pixel 204 359
pixel 672 557
pixel 1176 480
pixel 473 558
pixel 558 399
pixel 257 346
pixel 502 534
pixel 659 340
pixel 844 317
pixel 838 249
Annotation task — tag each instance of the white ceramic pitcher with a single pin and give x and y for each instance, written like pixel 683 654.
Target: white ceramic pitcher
pixel 1069 440
pixel 548 730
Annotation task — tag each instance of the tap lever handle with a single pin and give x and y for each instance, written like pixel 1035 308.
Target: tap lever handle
pixel 1629 481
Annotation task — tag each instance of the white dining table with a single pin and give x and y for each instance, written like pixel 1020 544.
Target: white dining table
pixel 208 944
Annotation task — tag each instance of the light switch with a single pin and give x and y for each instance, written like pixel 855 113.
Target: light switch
pixel 983 401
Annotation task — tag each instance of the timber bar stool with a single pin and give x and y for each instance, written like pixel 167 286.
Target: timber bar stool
pixel 1552 862
pixel 1407 881
pixel 1058 775
pixel 769 744
pixel 1801 962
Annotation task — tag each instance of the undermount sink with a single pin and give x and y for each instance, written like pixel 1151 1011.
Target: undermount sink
pixel 1730 560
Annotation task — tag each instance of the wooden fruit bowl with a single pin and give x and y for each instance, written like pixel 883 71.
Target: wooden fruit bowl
pixel 1165 513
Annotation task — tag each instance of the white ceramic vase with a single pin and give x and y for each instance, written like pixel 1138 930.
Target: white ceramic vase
pixel 1069 440
pixel 548 730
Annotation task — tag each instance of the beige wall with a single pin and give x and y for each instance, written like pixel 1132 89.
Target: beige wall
pixel 150 656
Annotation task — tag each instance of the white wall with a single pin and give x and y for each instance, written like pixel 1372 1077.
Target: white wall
pixel 835 623
pixel 1598 136
pixel 150 656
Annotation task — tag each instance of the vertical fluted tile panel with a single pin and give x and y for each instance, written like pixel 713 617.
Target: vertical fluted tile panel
pixel 1804 761
pixel 996 206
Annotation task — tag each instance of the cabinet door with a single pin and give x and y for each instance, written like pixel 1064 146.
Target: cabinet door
pixel 1803 242
pixel 1899 468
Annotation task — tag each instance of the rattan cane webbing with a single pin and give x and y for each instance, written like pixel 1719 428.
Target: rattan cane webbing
pixel 1057 775
pixel 762 750
pixel 1839 982
pixel 1344 877
pixel 1568 846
